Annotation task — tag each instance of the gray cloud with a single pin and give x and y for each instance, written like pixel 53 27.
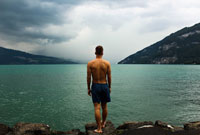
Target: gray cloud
pixel 17 15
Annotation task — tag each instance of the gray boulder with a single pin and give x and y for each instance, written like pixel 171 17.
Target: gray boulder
pixel 4 129
pixel 135 125
pixel 192 125
pixel 167 126
pixel 71 132
pixel 31 129
pixel 108 130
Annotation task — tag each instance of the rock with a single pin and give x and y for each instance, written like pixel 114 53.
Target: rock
pixel 4 129
pixel 90 126
pixel 163 125
pixel 31 129
pixel 57 132
pixel 158 131
pixel 166 126
pixel 109 128
pixel 71 132
pixel 187 132
pixel 146 131
pixel 177 129
pixel 192 125
pixel 146 126
pixel 134 125
pixel 10 133
pixel 128 128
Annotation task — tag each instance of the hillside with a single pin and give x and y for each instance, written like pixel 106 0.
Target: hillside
pixel 9 56
pixel 181 47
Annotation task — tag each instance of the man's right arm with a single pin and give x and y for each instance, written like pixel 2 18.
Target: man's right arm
pixel 109 76
pixel 88 78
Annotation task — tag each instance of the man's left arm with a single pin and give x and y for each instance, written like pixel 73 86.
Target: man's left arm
pixel 88 78
pixel 109 76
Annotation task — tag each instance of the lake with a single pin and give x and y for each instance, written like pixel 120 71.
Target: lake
pixel 57 94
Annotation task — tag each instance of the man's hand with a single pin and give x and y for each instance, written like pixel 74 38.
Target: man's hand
pixel 89 92
pixel 110 90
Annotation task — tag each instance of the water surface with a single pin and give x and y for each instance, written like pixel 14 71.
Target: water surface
pixel 57 94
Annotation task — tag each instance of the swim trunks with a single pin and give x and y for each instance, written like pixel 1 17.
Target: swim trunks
pixel 100 93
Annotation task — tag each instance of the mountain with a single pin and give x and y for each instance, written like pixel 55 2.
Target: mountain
pixel 9 56
pixel 181 47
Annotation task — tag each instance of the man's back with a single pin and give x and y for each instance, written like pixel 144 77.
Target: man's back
pixel 99 69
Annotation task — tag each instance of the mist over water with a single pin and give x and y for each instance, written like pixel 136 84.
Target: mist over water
pixel 57 94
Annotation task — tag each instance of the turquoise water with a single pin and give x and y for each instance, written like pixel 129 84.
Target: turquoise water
pixel 57 94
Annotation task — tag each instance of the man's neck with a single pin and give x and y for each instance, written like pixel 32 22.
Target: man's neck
pixel 98 56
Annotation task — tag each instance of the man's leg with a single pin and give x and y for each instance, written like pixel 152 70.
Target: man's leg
pixel 97 108
pixel 104 113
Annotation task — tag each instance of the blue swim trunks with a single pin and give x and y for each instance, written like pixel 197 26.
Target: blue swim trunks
pixel 100 93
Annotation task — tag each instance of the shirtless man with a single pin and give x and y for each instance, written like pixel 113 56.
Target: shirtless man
pixel 100 70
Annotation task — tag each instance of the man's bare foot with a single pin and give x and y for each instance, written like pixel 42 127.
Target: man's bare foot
pixel 103 124
pixel 98 131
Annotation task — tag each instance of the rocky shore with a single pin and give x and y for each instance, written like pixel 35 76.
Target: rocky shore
pixel 127 128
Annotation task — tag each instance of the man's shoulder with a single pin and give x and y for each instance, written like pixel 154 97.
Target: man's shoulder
pixel 95 60
pixel 90 62
pixel 106 61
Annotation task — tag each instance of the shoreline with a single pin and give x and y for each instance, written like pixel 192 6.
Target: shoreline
pixel 127 128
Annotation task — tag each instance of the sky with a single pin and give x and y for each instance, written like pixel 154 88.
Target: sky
pixel 71 29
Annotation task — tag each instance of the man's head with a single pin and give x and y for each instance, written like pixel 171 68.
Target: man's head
pixel 99 50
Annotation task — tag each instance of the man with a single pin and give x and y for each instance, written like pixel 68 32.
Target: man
pixel 100 70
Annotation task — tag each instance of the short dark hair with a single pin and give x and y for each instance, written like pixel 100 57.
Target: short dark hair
pixel 99 50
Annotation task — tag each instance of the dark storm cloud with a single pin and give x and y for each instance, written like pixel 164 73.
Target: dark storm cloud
pixel 17 15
